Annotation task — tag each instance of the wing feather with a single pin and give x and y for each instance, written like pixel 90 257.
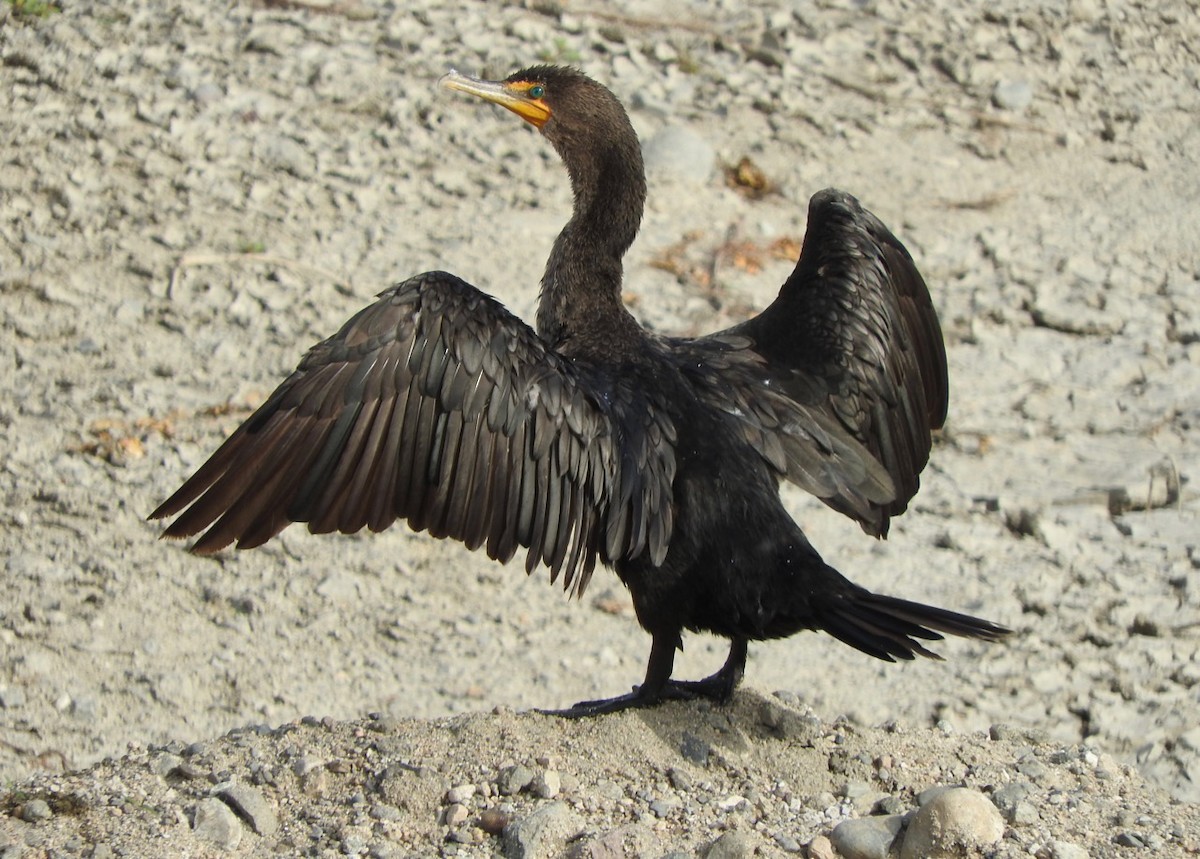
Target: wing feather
pixel 436 405
pixel 853 341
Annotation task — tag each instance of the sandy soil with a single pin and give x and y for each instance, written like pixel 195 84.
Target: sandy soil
pixel 191 195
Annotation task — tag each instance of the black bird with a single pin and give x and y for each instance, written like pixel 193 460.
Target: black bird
pixel 590 439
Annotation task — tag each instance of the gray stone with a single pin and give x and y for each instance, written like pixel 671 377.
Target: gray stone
pixel 251 806
pixel 1008 797
pixel 889 804
pixel 287 155
pixel 821 848
pixel 216 823
pixel 680 152
pixel 546 784
pixel 543 833
pixel 1012 95
pixel 631 840
pixel 1033 768
pixel 862 796
pixel 679 779
pixel 662 807
pixel 460 793
pixel 1024 813
pixel 1066 850
pixel 786 723
pixel 166 764
pixel 929 794
pixel 36 810
pixel 732 845
pixel 386 812
pixel 866 837
pixel 305 764
pixel 955 822
pixel 1130 839
pixel 787 843
pixel 694 748
pixel 515 779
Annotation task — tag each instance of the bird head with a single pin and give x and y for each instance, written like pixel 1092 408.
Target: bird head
pixel 588 127
pixel 557 100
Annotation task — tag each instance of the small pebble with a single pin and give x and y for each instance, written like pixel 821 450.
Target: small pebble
pixel 305 764
pixel 866 837
pixel 545 832
pixel 493 820
pixel 889 805
pixel 730 803
pixel 1012 95
pixel 787 843
pixel 1066 850
pixel 821 848
pixel 35 810
pixel 786 723
pixel 732 845
pixel 216 823
pixel 679 779
pixel 661 807
pixel 1024 813
pixel 546 784
pixel 353 844
pixel 1033 769
pixel 386 812
pixel 514 779
pixel 1010 797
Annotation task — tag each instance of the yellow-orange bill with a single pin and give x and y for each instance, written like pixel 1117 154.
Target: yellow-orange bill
pixel 514 96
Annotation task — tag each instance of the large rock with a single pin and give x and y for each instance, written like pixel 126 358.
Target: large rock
pixel 956 823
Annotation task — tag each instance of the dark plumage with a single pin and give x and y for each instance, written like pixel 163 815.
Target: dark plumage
pixel 591 439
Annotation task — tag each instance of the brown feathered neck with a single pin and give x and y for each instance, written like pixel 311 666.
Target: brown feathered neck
pixel 590 130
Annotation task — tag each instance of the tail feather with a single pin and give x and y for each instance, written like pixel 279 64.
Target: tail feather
pixel 888 628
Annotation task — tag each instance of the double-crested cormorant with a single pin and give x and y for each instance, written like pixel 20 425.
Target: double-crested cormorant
pixel 591 439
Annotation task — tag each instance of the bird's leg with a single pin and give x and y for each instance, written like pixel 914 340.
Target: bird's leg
pixel 653 689
pixel 658 685
pixel 718 686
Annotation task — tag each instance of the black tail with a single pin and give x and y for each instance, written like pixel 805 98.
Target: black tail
pixel 889 628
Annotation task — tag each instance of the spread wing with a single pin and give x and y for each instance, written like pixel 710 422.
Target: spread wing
pixel 438 406
pixel 854 335
pixel 802 442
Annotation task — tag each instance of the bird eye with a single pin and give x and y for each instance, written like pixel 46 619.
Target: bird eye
pixel 537 91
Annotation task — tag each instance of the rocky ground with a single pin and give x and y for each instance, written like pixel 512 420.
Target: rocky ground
pixel 192 194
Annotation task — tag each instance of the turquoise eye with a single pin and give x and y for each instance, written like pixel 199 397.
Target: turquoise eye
pixel 537 91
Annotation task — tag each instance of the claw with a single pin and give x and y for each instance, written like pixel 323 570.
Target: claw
pixel 659 687
pixel 600 707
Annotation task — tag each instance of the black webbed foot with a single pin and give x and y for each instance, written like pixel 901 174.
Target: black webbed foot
pixel 604 706
pixel 658 686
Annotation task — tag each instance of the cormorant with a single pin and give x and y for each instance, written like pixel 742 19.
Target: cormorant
pixel 591 439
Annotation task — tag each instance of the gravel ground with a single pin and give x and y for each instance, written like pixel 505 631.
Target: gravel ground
pixel 190 195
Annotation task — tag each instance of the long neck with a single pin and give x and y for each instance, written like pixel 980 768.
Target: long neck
pixel 581 289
